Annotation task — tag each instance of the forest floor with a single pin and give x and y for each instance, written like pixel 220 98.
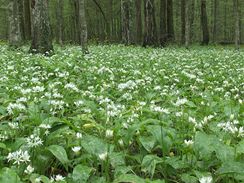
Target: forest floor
pixel 122 114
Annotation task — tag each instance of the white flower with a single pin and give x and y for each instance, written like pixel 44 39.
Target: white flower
pixel 208 179
pixel 59 178
pixel 103 156
pixel 19 156
pixel 71 86
pixel 109 133
pixel 34 141
pixel 13 125
pixel 45 126
pixel 29 169
pixel 11 107
pixel 79 103
pixel 76 149
pixel 78 135
pixel 188 142
pixel 121 142
pixel 38 179
pixel 181 101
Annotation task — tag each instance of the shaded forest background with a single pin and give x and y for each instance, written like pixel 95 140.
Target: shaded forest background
pixel 104 20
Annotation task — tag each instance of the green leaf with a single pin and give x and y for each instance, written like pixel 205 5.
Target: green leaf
pixel 147 142
pixel 60 153
pixel 188 178
pixel 176 163
pixel 3 146
pixel 240 148
pixel 81 173
pixel 231 167
pixel 129 178
pixel 149 164
pixel 8 175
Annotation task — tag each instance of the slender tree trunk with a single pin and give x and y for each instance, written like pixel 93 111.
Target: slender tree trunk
pixel 138 21
pixel 41 39
pixel 183 21
pixel 170 20
pixel 14 24
pixel 215 20
pixel 237 24
pixel 60 22
pixel 83 26
pixel 163 22
pixel 21 18
pixel 27 19
pixel 125 18
pixel 192 18
pixel 204 23
pixel 150 30
pixel 187 23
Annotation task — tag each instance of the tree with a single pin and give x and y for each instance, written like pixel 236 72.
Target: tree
pixel 204 23
pixel 183 21
pixel 237 24
pixel 41 38
pixel 125 20
pixel 138 21
pixel 163 23
pixel 14 24
pixel 187 23
pixel 150 30
pixel 170 20
pixel 60 22
pixel 215 7
pixel 27 19
pixel 83 26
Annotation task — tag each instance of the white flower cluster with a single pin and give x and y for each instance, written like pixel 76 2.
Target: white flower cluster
pixel 19 157
pixel 128 85
pixel 232 127
pixel 57 178
pixel 71 86
pixel 114 109
pixel 159 109
pixel 15 106
pixel 34 141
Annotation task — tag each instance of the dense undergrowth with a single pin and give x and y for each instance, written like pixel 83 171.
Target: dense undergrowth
pixel 122 114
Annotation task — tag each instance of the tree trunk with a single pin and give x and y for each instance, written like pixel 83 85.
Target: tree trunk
pixel 21 18
pixel 138 21
pixel 183 21
pixel 163 22
pixel 170 20
pixel 150 30
pixel 41 39
pixel 215 20
pixel 83 26
pixel 60 22
pixel 192 18
pixel 204 23
pixel 237 24
pixel 14 24
pixel 187 23
pixel 125 20
pixel 27 19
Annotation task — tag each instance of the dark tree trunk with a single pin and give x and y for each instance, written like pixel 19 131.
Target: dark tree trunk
pixel 41 39
pixel 187 23
pixel 14 24
pixel 163 22
pixel 150 30
pixel 183 21
pixel 170 20
pixel 215 20
pixel 60 22
pixel 237 23
pixel 21 18
pixel 125 20
pixel 138 21
pixel 204 23
pixel 192 18
pixel 27 19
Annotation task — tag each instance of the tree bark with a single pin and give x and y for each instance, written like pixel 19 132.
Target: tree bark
pixel 150 30
pixel 27 19
pixel 163 22
pixel 41 39
pixel 138 21
pixel 187 23
pixel 183 21
pixel 215 20
pixel 204 23
pixel 170 20
pixel 14 24
pixel 125 20
pixel 237 24
pixel 83 27
pixel 60 22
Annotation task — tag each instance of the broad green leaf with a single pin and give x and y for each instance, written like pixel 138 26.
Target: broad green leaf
pixel 81 173
pixel 147 142
pixel 129 178
pixel 8 175
pixel 240 147
pixel 187 178
pixel 176 163
pixel 231 167
pixel 60 153
pixel 149 164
